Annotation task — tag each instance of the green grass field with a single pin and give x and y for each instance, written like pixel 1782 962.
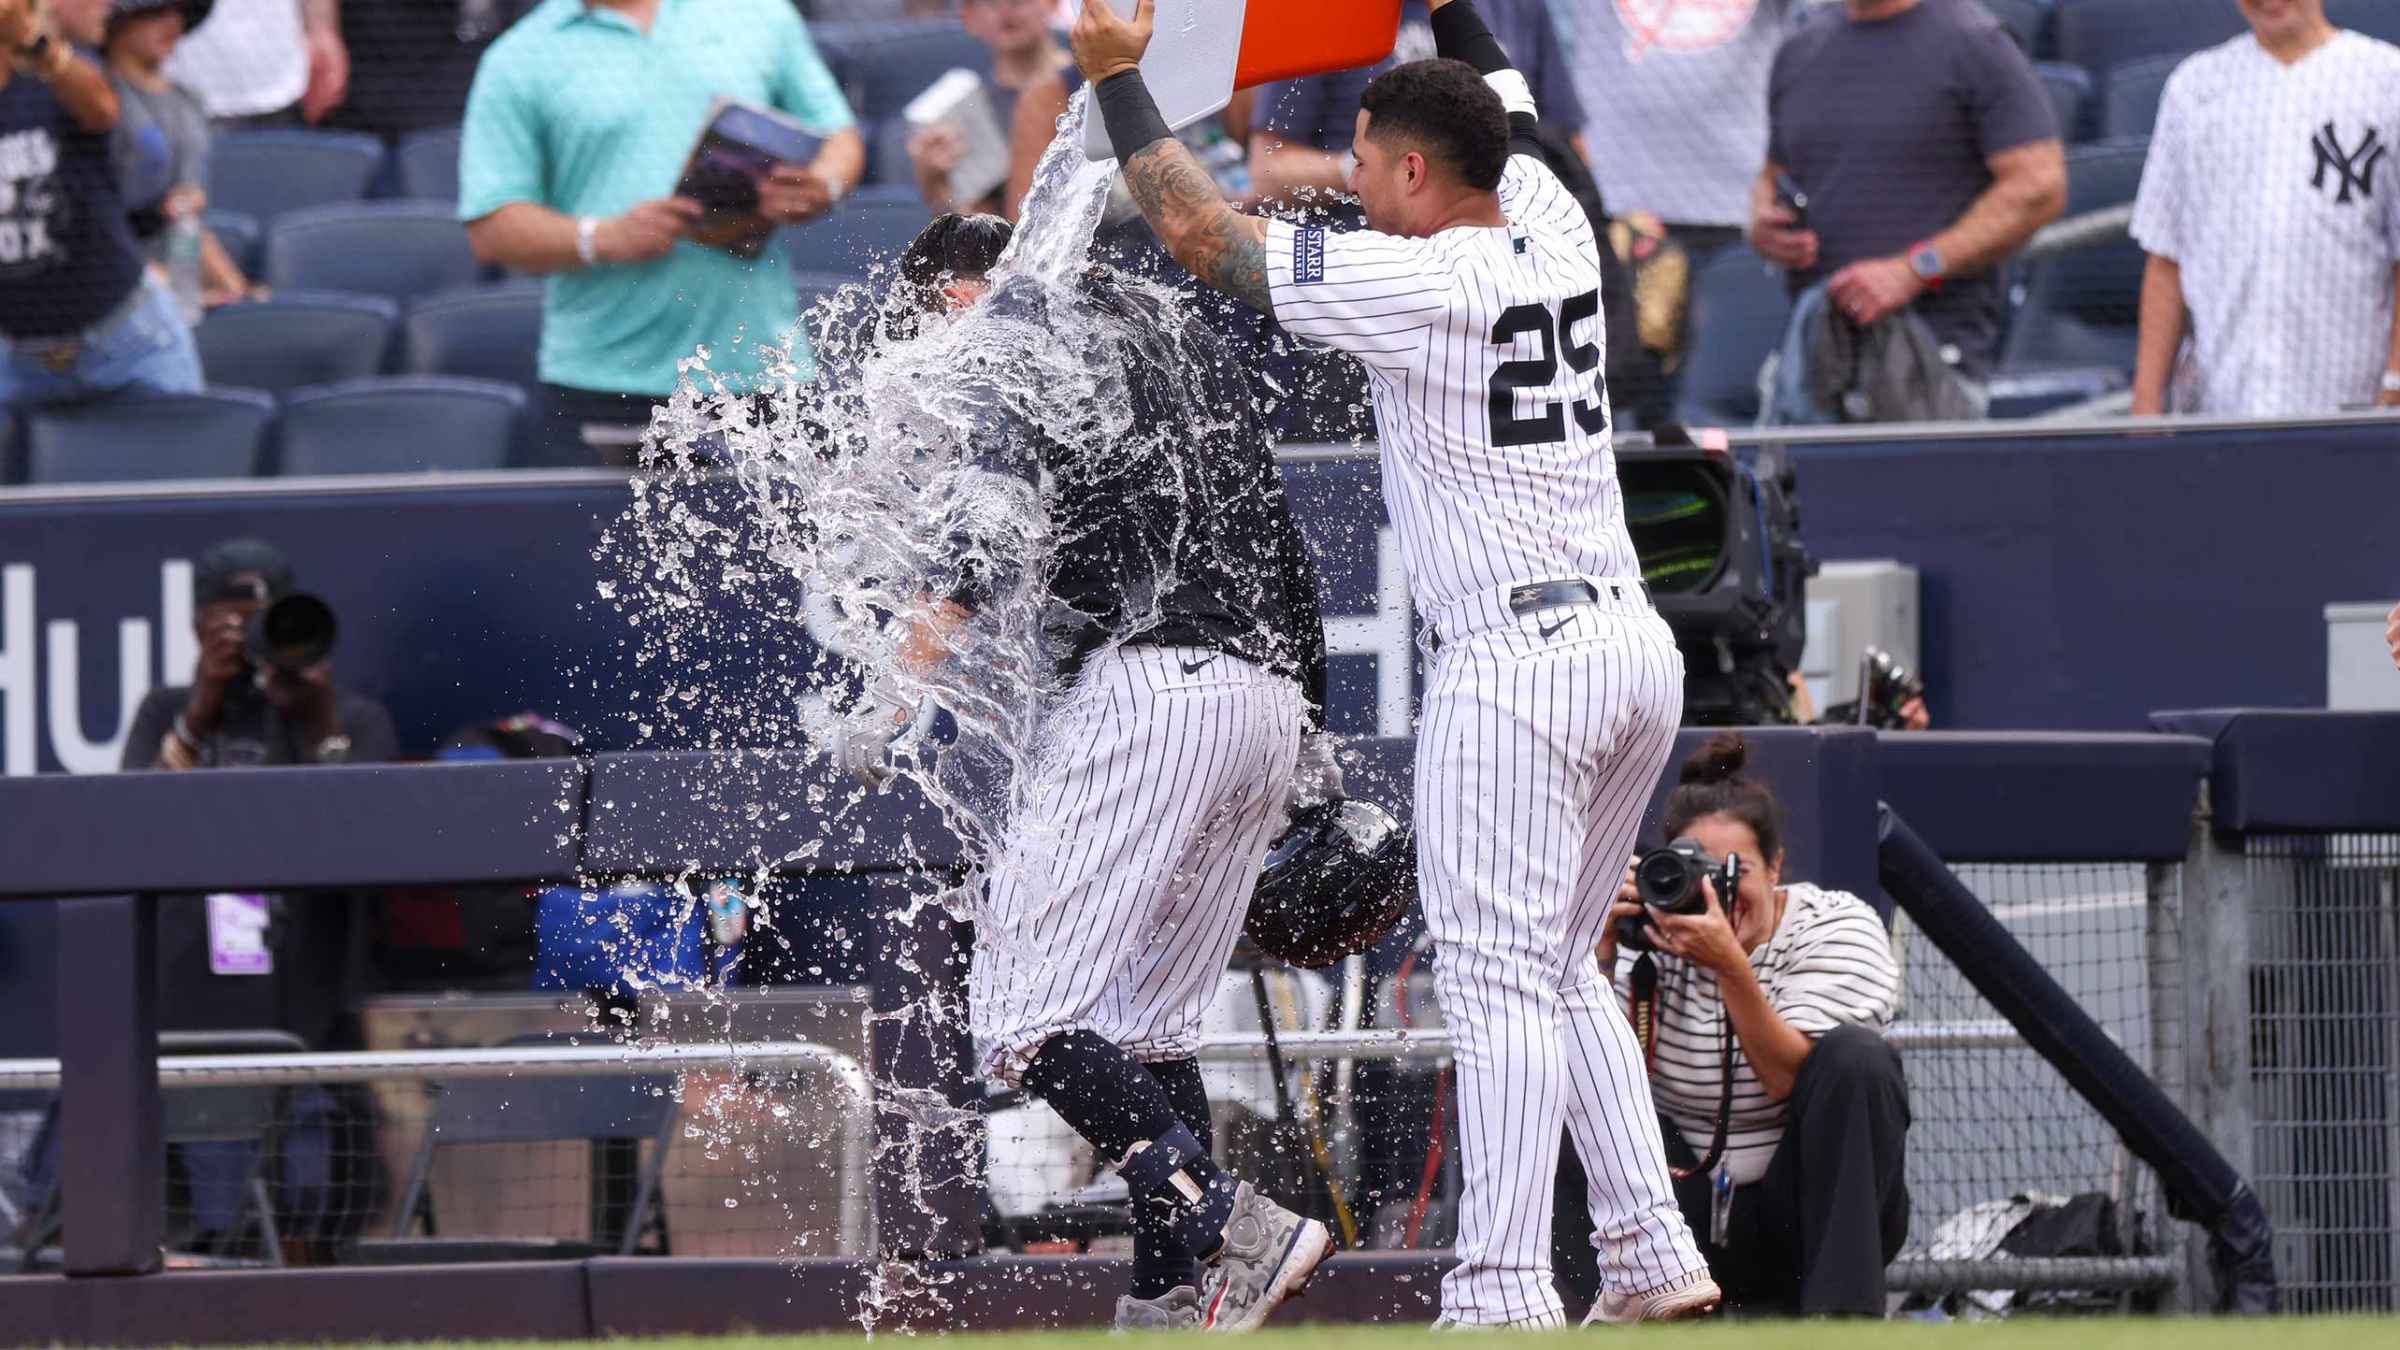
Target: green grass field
pixel 2322 1333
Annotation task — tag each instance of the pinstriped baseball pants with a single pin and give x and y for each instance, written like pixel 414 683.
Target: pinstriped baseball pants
pixel 1121 884
pixel 1534 763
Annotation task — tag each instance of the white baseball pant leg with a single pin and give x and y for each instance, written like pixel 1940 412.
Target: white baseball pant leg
pixel 1123 881
pixel 1536 758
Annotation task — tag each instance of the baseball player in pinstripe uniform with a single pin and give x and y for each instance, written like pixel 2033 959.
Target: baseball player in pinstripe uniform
pixel 1473 301
pixel 1182 612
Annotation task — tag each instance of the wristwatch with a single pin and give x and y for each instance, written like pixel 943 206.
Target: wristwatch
pixel 333 750
pixel 587 240
pixel 1926 261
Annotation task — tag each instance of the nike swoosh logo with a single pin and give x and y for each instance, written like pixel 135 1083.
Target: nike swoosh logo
pixel 1195 667
pixel 1551 629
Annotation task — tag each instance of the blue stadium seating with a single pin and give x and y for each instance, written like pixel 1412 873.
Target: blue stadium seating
pixel 2101 35
pixel 1739 313
pixel 428 163
pixel 266 173
pixel 871 226
pixel 2375 18
pixel 488 332
pixel 884 65
pixel 887 154
pixel 216 434
pixel 2070 89
pixel 2083 307
pixel 2130 105
pixel 297 338
pixel 239 235
pixel 2030 20
pixel 392 249
pixel 12 468
pixel 400 424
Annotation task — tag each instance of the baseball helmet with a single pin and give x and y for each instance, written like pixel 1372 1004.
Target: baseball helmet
pixel 1336 880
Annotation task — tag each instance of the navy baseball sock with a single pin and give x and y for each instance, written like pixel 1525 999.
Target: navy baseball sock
pixel 1160 1263
pixel 1113 1102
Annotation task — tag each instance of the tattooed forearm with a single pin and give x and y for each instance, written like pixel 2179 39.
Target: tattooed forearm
pixel 1220 245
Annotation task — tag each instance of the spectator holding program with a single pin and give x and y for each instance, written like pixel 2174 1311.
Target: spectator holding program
pixel 2271 212
pixel 1024 53
pixel 1911 151
pixel 578 178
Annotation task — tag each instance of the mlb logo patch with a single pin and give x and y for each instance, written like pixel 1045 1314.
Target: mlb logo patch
pixel 1308 255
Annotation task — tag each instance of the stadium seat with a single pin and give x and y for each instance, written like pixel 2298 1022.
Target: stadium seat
pixel 297 338
pixel 2104 34
pixel 1739 313
pixel 392 249
pixel 429 165
pixel 2070 89
pixel 2129 104
pixel 887 155
pixel 2029 20
pixel 215 434
pixel 884 65
pixel 12 466
pixel 2375 18
pixel 266 173
pixel 400 424
pixel 488 332
pixel 871 226
pixel 238 235
pixel 2083 307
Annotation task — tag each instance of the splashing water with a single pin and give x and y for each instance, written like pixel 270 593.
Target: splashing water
pixel 795 518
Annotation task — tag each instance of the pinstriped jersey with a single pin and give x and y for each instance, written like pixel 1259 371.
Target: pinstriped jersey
pixel 1483 349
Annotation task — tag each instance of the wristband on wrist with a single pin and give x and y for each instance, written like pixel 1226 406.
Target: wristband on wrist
pixel 587 240
pixel 2391 382
pixel 1130 113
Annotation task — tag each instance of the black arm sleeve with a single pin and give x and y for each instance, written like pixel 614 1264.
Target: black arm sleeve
pixel 1297 574
pixel 1460 34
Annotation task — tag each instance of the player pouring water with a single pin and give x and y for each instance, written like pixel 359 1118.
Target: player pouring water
pixel 1473 300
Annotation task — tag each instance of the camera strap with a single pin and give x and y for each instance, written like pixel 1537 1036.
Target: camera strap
pixel 1641 1009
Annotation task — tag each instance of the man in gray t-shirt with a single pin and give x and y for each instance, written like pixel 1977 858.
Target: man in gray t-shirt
pixel 1928 152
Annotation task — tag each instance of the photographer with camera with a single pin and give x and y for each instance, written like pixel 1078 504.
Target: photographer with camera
pixel 1785 1112
pixel 262 691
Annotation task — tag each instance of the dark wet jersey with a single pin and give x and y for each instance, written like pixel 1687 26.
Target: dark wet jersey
pixel 1193 513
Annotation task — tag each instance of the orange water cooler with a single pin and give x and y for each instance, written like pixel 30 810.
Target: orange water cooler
pixel 1203 50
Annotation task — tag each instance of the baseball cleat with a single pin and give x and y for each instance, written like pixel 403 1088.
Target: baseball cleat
pixel 1268 1255
pixel 1692 1297
pixel 1178 1309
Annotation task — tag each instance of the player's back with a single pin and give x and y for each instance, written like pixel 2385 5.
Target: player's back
pixel 1485 350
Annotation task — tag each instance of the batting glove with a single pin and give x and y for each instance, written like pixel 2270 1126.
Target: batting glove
pixel 867 743
pixel 1317 778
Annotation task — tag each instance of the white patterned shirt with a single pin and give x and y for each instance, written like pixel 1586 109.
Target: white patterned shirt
pixel 1828 964
pixel 2277 190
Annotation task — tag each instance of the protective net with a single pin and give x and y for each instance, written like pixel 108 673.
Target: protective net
pixel 1996 1132
pixel 2324 1047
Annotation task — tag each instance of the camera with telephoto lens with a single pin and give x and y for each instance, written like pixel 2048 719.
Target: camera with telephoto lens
pixel 290 635
pixel 1668 881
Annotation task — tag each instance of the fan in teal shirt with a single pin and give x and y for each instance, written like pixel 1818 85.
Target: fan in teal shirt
pixel 578 110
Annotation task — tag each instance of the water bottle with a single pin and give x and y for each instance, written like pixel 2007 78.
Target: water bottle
pixel 183 266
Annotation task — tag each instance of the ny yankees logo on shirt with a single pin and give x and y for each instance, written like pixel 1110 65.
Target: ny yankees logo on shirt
pixel 2355 168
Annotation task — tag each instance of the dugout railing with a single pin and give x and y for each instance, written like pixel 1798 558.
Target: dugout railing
pixel 2261 850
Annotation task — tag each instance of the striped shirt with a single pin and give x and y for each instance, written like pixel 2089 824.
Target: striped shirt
pixel 1829 963
pixel 2277 190
pixel 1483 348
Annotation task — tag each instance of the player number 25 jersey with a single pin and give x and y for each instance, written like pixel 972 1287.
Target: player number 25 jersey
pixel 1483 349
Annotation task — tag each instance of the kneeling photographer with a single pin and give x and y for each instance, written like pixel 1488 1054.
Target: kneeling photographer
pixel 1784 1110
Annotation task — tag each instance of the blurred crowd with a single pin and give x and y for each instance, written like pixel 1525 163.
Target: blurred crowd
pixel 1816 211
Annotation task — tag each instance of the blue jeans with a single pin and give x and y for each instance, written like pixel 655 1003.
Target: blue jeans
pixel 141 348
